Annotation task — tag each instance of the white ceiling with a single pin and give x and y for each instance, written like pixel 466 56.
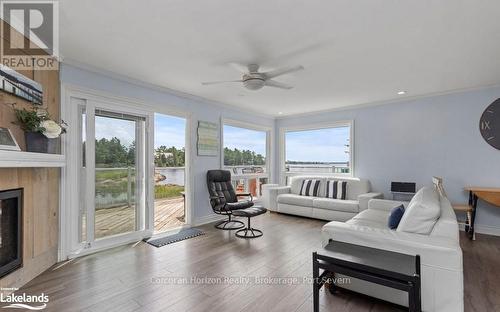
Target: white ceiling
pixel 354 52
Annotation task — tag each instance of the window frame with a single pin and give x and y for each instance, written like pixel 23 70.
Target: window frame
pixel 283 174
pixel 68 238
pixel 248 126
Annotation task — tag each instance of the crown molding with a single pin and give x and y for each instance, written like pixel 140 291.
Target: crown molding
pixel 390 101
pixel 158 88
pixel 184 95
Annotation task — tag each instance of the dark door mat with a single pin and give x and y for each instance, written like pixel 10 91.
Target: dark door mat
pixel 182 235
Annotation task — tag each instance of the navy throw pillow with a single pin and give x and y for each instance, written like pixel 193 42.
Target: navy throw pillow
pixel 395 217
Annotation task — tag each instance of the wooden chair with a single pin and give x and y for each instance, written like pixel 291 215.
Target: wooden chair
pixel 459 208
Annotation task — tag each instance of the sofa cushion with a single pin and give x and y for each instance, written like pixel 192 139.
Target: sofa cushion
pixel 296 184
pixel 355 186
pixel 371 218
pixel 395 217
pixel 447 224
pixel 310 188
pixel 336 204
pixel 336 189
pixel 294 199
pixel 422 212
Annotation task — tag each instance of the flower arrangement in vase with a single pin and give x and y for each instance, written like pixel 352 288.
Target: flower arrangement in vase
pixel 40 131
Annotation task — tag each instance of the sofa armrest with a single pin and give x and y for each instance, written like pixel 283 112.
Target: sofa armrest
pixel 385 204
pixel 440 252
pixel 365 198
pixel 273 193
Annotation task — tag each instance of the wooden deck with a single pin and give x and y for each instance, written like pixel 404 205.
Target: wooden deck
pixel 169 213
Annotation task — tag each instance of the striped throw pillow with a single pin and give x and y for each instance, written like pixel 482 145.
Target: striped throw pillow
pixel 310 188
pixel 336 189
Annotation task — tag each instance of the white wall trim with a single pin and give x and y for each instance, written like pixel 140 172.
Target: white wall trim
pixel 154 87
pixel 133 103
pixel 244 124
pixel 269 141
pixel 135 106
pixel 106 244
pixel 386 102
pixel 184 95
pixel 484 229
pixel 315 126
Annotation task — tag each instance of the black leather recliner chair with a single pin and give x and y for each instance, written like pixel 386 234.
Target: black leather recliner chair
pixel 224 199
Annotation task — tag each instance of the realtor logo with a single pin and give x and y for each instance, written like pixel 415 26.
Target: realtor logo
pixel 24 301
pixel 30 34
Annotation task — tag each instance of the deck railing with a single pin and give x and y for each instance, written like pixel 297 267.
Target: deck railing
pixel 118 189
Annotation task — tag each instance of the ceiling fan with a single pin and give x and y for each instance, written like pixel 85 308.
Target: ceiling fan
pixel 252 79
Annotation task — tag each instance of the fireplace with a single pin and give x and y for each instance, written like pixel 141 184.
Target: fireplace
pixel 11 232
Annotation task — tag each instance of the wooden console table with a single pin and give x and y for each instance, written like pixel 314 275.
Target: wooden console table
pixel 488 194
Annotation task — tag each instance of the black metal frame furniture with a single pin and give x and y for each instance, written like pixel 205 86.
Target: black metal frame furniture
pixel 391 269
pixel 249 213
pixel 224 200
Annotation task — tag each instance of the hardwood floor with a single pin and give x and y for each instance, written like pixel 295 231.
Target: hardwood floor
pixel 140 277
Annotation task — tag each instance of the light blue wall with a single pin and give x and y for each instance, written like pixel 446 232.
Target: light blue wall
pixel 200 110
pixel 405 141
pixel 416 139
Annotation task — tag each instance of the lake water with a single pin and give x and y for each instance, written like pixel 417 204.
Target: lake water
pixel 173 176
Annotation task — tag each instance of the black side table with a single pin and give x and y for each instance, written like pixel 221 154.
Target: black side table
pixel 378 266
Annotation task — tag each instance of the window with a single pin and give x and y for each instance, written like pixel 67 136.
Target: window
pixel 326 150
pixel 246 156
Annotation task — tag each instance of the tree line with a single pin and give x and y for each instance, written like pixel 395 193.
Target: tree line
pixel 112 153
pixel 236 157
pixel 169 157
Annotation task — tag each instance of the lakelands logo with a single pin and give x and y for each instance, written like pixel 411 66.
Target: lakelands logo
pixel 23 301
pixel 30 34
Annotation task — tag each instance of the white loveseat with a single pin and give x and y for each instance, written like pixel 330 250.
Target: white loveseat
pixel 286 199
pixel 440 252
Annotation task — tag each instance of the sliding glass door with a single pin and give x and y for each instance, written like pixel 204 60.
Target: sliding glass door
pixel 127 174
pixel 112 173
pixel 118 178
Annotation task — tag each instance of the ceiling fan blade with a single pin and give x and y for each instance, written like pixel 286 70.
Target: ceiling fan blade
pixel 242 69
pixel 272 83
pixel 217 82
pixel 282 71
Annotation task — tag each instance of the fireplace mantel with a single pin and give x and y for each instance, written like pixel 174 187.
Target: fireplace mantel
pixel 16 159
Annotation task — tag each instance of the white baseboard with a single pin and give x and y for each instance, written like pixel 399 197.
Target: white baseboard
pixel 208 219
pixel 484 229
pixel 118 240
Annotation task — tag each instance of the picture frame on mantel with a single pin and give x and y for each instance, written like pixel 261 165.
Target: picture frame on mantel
pixel 208 138
pixel 7 140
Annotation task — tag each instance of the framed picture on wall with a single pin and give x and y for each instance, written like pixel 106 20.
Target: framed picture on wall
pixel 208 138
pixel 7 140
pixel 21 86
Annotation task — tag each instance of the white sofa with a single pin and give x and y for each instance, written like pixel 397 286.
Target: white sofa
pixel 440 252
pixel 286 199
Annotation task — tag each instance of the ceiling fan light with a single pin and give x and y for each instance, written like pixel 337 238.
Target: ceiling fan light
pixel 253 84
